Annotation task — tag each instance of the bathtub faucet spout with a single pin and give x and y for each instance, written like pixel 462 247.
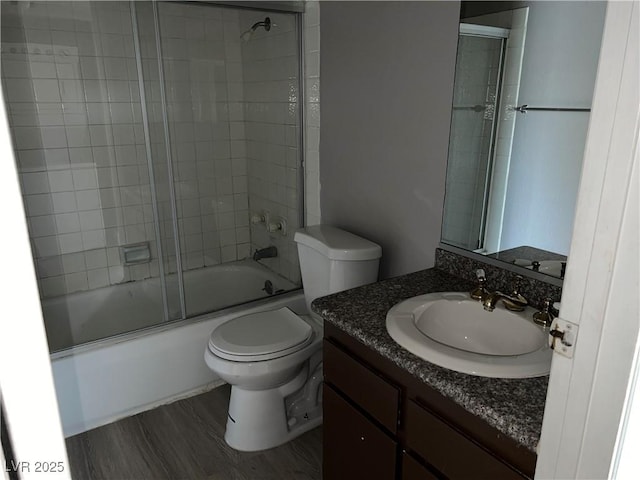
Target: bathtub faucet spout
pixel 268 252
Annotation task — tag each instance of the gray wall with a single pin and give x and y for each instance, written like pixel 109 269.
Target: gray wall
pixel 387 81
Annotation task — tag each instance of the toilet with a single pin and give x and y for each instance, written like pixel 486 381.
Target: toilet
pixel 273 359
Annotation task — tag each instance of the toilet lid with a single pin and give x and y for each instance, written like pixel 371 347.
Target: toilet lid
pixel 261 333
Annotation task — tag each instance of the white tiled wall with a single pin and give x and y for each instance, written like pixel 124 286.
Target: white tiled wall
pixel 271 108
pixel 270 112
pixel 70 79
pixel 70 82
pixel 203 75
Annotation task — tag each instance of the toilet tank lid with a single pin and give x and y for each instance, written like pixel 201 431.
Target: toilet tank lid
pixel 337 244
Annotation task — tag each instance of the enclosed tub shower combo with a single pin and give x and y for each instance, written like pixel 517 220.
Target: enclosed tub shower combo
pixel 159 147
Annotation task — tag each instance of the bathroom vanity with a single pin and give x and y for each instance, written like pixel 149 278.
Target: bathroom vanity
pixel 391 415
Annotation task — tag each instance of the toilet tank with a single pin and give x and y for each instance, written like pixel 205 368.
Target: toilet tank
pixel 332 260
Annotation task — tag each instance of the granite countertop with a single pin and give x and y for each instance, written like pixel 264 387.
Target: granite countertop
pixel 513 406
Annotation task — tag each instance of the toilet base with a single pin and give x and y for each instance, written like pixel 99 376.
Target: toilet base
pixel 257 419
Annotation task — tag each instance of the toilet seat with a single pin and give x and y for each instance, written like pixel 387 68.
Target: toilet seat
pixel 260 336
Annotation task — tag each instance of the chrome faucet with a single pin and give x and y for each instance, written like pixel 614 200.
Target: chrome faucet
pixel 268 252
pixel 514 302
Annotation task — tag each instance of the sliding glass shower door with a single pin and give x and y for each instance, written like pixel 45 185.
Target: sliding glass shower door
pixel 147 135
pixel 224 110
pixel 71 86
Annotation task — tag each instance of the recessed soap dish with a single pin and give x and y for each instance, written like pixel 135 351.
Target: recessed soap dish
pixel 135 253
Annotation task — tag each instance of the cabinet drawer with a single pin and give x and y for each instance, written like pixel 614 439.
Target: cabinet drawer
pixel 449 450
pixel 353 446
pixel 412 470
pixel 371 392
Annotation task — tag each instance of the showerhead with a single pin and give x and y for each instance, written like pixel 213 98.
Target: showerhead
pixel 266 24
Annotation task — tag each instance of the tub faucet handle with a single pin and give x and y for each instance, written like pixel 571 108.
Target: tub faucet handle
pixel 257 218
pixel 277 225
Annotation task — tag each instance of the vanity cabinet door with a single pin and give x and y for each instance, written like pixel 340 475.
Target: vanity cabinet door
pixel 449 450
pixel 353 447
pixel 371 392
pixel 412 470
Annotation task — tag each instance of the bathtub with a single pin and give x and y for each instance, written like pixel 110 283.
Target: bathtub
pixel 83 317
pixel 105 380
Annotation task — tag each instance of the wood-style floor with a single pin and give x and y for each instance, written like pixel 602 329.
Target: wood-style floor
pixel 184 440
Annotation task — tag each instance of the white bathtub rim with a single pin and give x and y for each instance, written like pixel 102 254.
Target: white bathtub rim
pixel 101 343
pixel 102 385
pixel 71 328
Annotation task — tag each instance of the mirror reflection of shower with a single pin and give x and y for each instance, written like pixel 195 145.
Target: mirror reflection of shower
pixel 266 24
pixel 479 70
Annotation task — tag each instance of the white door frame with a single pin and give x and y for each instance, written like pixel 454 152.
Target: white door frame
pixel 625 462
pixel 586 394
pixel 26 382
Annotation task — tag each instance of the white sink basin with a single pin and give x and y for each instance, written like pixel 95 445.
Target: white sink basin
pixel 454 331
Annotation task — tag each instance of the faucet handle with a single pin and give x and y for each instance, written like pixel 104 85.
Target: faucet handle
pixel 546 315
pixel 517 284
pixel 480 292
pixel 277 225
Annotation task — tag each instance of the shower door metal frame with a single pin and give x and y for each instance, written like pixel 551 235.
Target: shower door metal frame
pixel 302 118
pixel 147 141
pixel 167 145
pixel 169 159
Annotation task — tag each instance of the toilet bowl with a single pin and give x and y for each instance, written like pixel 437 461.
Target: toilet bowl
pixel 273 359
pixel 273 396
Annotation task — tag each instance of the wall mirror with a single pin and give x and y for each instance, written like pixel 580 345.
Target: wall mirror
pixel 523 87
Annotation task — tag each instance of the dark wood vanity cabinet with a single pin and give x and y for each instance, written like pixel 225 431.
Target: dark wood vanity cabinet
pixel 359 449
pixel 382 423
